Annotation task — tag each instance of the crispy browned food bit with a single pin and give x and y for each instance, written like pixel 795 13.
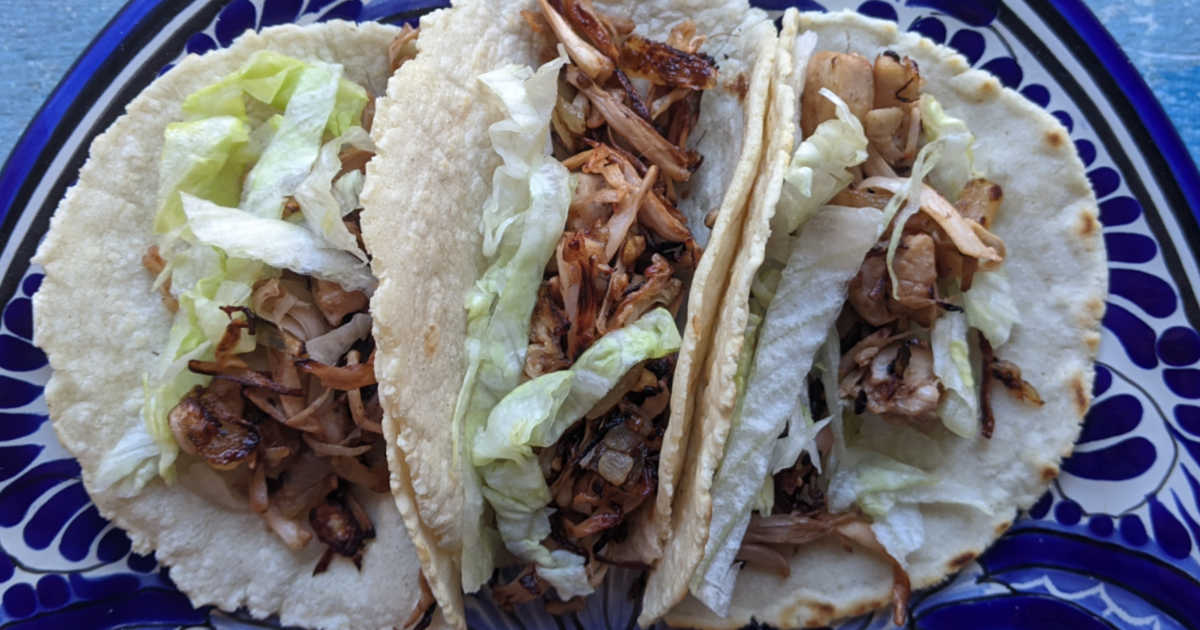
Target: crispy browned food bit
pixel 547 330
pixel 898 80
pixel 897 384
pixel 336 526
pixel 587 21
pixel 849 76
pixel 915 267
pixel 227 344
pixel 664 220
pixel 675 162
pixel 207 423
pixel 593 62
pixel 666 65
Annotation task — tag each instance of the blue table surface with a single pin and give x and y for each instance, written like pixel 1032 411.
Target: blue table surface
pixel 41 39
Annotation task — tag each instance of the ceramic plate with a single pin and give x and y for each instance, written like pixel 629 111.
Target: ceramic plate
pixel 1115 543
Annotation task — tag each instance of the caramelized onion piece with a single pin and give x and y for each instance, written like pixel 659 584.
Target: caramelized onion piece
pixel 674 162
pixel 592 61
pixel 968 236
pixel 665 65
pixel 341 378
pixel 243 376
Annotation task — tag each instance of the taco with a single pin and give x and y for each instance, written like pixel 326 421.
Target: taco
pixel 204 310
pixel 904 352
pixel 558 223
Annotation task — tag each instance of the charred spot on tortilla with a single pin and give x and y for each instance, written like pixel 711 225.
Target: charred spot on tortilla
pixel 1089 225
pixel 961 560
pixel 1055 139
pixel 431 340
pixel 1082 396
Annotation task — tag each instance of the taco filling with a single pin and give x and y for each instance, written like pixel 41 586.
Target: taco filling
pixel 880 198
pixel 571 330
pixel 267 377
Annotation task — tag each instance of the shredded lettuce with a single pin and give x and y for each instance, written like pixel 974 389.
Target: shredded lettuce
pixel 536 414
pixel 959 407
pixel 910 196
pixel 952 173
pixel 280 244
pixel 324 202
pixel 523 220
pixel 248 140
pixel 204 157
pixel 819 168
pixel 990 307
pixel 811 291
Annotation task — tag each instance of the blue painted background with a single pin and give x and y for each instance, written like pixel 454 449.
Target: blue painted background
pixel 37 45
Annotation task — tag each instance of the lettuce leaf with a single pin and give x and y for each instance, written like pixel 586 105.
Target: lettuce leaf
pixel 990 307
pixel 536 414
pixel 811 292
pixel 952 173
pixel 959 407
pixel 522 221
pixel 322 203
pixel 820 167
pixel 280 244
pixel 910 197
pixel 204 157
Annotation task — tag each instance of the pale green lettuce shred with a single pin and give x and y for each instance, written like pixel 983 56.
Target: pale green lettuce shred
pixel 205 157
pixel 959 407
pixel 323 202
pixel 536 414
pixel 909 196
pixel 279 243
pixel 811 291
pixel 990 307
pixel 273 79
pixel 818 169
pixel 530 198
pixel 952 173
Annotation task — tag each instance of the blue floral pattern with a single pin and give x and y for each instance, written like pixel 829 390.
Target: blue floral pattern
pixel 1115 542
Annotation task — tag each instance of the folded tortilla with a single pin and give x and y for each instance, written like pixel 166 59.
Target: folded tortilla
pixel 102 326
pixel 1056 264
pixel 436 161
